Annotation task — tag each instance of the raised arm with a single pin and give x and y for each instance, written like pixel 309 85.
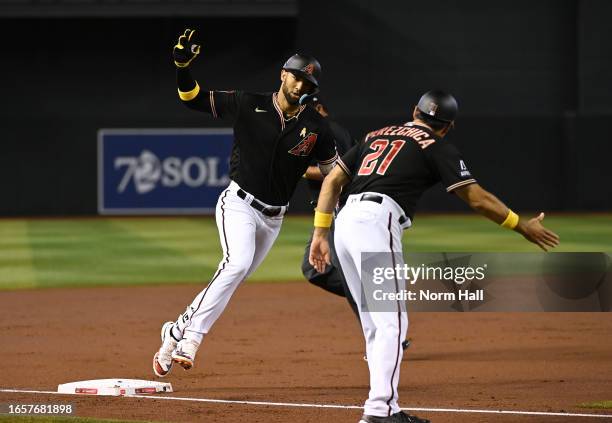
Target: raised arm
pixel 184 53
pixel 488 205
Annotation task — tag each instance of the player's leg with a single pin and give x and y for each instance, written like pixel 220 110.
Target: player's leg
pixel 336 276
pixel 387 347
pixel 384 360
pixel 350 264
pixel 266 233
pixel 236 225
pixel 351 270
pixel 367 227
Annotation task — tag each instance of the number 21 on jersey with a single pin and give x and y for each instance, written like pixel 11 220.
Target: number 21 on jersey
pixel 370 162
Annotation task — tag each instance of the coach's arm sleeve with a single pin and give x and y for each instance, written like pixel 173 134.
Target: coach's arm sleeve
pixel 446 161
pixel 348 161
pixel 331 189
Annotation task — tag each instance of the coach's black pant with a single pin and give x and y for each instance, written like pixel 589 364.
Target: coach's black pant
pixel 331 279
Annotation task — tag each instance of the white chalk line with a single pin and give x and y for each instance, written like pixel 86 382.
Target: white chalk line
pixel 334 406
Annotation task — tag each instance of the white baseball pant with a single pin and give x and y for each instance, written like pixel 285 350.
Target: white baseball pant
pixel 246 238
pixel 367 226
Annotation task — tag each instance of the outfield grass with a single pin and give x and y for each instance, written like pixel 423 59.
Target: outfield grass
pixel 119 251
pixel 601 405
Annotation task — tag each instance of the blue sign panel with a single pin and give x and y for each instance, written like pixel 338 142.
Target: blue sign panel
pixel 162 171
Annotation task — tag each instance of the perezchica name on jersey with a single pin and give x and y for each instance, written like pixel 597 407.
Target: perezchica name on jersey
pixel 400 131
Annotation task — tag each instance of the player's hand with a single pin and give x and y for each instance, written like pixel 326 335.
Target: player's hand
pixel 186 49
pixel 319 250
pixel 534 231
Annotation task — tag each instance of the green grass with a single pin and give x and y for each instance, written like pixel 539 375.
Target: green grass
pixel 120 251
pixel 58 419
pixel 597 404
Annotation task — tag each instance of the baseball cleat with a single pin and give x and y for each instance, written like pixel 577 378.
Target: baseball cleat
pixel 162 360
pixel 406 344
pixel 185 352
pixel 400 417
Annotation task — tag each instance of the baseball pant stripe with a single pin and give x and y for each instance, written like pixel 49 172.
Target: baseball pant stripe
pixel 225 258
pixel 399 317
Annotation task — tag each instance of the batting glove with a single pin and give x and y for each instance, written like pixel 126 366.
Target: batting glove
pixel 185 49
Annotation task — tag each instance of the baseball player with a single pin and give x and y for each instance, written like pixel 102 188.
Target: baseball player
pixel 275 137
pixel 384 178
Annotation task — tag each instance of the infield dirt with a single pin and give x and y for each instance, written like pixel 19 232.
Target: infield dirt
pixel 295 343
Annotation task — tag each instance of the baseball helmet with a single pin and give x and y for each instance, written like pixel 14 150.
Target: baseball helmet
pixel 439 105
pixel 306 66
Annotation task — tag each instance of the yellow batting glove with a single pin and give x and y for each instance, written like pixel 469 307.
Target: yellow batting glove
pixel 186 49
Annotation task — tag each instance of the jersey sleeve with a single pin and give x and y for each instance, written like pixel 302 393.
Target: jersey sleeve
pixel 348 162
pixel 448 164
pixel 224 104
pixel 325 152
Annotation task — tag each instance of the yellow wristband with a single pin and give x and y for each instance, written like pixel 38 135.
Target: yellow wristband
pixel 511 220
pixel 322 220
pixel 189 95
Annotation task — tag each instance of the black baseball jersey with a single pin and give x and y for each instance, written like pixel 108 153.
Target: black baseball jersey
pixel 344 142
pixel 402 162
pixel 270 153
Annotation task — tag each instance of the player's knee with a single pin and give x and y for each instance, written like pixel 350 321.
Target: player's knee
pixel 368 332
pixel 388 330
pixel 238 267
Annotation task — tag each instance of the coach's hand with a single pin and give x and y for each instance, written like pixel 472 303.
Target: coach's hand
pixel 186 49
pixel 319 250
pixel 533 231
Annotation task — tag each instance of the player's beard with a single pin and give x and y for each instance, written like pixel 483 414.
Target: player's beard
pixel 290 99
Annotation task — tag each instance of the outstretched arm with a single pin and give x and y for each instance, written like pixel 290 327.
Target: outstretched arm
pixel 328 198
pixel 488 205
pixel 184 52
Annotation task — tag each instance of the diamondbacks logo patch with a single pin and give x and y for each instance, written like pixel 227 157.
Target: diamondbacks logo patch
pixel 433 108
pixel 305 146
pixel 309 69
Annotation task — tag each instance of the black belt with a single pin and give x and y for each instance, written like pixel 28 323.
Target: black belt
pixel 257 205
pixel 379 199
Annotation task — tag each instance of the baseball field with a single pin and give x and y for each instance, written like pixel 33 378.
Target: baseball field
pixel 84 298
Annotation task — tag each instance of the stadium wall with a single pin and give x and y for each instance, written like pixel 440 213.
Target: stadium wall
pixel 532 80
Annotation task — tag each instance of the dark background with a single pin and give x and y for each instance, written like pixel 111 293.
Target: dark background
pixel 533 80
